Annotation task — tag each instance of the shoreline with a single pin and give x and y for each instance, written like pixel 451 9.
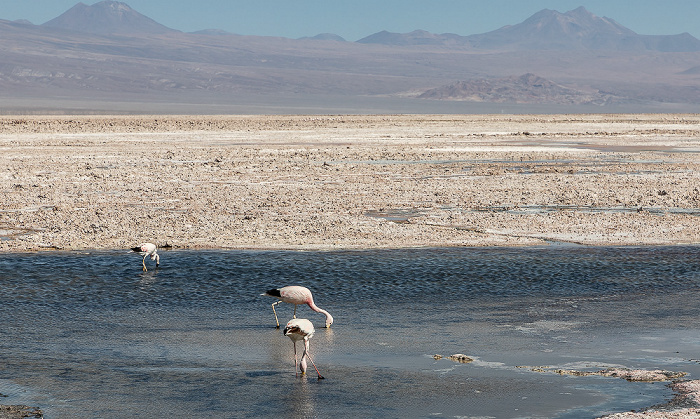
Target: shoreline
pixel 168 248
pixel 348 181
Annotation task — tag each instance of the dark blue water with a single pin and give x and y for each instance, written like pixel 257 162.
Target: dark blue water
pixel 88 334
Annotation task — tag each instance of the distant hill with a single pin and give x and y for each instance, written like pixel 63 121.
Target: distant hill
pixel 106 17
pixel 692 71
pixel 527 88
pixel 212 32
pixel 683 42
pixel 417 37
pixel 577 29
pixel 326 37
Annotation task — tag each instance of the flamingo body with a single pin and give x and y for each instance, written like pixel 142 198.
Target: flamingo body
pixel 296 295
pixel 148 249
pixel 301 329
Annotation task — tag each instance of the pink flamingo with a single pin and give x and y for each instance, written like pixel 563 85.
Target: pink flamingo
pixel 298 329
pixel 148 249
pixel 296 295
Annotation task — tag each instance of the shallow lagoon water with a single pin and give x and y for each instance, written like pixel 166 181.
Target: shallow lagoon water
pixel 88 334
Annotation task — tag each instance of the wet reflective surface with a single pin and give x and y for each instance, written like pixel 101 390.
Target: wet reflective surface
pixel 403 215
pixel 91 335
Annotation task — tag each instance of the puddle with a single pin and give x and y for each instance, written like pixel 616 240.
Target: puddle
pixel 8 233
pixel 397 215
pixel 634 148
pixel 403 215
pixel 544 209
pixel 31 209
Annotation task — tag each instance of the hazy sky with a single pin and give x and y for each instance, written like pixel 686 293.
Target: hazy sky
pixel 356 19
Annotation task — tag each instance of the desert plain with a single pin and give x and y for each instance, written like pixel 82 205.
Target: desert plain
pixel 326 182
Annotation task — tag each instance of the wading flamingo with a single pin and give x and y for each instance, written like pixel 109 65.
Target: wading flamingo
pixel 296 295
pixel 298 329
pixel 147 249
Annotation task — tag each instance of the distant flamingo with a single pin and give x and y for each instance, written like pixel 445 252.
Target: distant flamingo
pixel 298 329
pixel 296 295
pixel 148 249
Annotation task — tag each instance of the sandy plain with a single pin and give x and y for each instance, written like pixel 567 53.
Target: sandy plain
pixel 343 182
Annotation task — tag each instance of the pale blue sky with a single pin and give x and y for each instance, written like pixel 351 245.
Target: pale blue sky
pixel 356 19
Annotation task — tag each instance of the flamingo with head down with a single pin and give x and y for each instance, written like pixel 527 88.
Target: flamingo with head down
pixel 296 295
pixel 148 249
pixel 301 329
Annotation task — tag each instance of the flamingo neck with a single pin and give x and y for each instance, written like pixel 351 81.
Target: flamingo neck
pixel 314 307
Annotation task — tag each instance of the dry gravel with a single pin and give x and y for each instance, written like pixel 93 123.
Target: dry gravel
pixel 340 182
pixel 19 411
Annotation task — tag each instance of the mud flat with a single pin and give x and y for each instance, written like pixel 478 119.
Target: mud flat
pixel 343 182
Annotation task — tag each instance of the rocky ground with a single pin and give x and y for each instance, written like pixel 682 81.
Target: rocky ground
pixel 19 411
pixel 338 182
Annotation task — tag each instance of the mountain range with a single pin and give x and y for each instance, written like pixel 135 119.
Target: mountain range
pixel 108 57
pixel 550 30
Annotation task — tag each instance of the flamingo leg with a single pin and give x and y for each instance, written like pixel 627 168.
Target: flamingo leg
pixel 144 264
pixel 273 310
pixel 306 354
pixel 296 373
pixel 295 312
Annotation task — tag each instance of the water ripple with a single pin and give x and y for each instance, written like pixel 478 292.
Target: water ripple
pixel 200 278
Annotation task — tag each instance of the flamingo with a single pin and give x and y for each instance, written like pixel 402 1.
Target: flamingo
pixel 296 295
pixel 148 249
pixel 298 329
